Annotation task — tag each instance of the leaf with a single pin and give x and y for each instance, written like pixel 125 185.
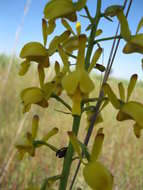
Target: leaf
pixel 112 97
pixel 121 91
pixel 97 146
pixel 64 58
pixel 33 49
pixel 51 133
pixel 44 31
pixel 35 125
pixel 24 66
pixel 51 26
pixel 140 25
pixel 67 26
pixel 95 58
pixel 78 28
pixel 97 176
pixel 135 110
pixel 131 85
pixel 75 144
pixel 137 130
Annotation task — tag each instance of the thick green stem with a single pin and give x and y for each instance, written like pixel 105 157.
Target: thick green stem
pixel 92 35
pixel 69 155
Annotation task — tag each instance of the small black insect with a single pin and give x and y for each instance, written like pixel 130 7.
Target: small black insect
pixel 61 152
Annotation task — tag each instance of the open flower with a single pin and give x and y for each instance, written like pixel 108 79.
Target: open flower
pixel 63 9
pixel 78 83
pixel 33 51
pixel 29 143
pixel 134 42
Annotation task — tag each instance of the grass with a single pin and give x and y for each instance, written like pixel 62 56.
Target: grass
pixel 122 151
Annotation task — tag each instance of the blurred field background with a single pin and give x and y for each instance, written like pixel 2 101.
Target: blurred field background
pixel 122 152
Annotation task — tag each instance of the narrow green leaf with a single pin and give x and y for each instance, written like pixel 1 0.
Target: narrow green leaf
pixel 131 85
pixel 121 91
pixel 140 25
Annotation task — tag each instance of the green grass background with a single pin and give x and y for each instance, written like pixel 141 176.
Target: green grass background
pixel 122 151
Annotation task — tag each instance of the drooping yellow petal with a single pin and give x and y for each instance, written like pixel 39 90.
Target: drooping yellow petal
pixel 97 146
pixel 111 95
pixel 95 58
pixel 70 82
pixel 44 31
pixel 81 52
pixel 35 125
pixel 121 116
pixel 97 176
pixel 24 66
pixel 57 67
pixel 76 100
pixel 41 75
pixel 86 84
pixel 121 91
pixel 33 49
pixel 137 130
pixel 135 110
pixel 132 48
pixel 131 85
pixel 137 40
pixel 51 133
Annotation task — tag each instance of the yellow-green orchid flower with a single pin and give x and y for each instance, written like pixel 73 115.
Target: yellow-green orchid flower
pixel 33 95
pixel 78 83
pixel 134 42
pixel 63 9
pixel 33 51
pixel 28 144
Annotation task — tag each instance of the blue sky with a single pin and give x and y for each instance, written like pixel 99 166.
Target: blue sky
pixel 29 29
